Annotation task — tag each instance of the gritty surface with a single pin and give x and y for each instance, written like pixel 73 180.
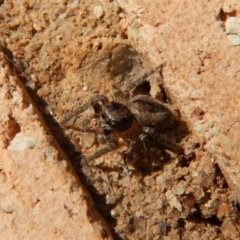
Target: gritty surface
pixel 40 197
pixel 197 72
pixel 68 53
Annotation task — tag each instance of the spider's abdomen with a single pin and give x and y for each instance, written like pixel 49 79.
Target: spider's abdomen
pixel 149 112
pixel 117 116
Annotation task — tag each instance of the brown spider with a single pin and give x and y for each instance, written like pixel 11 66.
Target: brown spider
pixel 155 118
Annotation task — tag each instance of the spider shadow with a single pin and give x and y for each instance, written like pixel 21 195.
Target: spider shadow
pixel 75 159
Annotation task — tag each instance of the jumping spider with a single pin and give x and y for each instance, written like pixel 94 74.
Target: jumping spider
pixel 154 117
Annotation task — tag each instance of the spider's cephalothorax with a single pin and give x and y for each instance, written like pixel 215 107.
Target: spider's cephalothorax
pixel 115 116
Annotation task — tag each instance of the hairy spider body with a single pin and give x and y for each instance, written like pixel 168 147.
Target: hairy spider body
pixel 147 112
pixel 155 118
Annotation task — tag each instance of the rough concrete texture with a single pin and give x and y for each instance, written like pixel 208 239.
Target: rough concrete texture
pixel 201 68
pixel 40 197
pixel 68 52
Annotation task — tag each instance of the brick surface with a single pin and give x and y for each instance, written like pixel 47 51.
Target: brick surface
pixel 201 68
pixel 40 197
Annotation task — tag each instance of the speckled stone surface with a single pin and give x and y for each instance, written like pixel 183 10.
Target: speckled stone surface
pixel 40 197
pixel 62 52
pixel 201 68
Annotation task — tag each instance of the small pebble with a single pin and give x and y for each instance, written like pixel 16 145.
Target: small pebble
pixel 111 199
pixel 126 201
pixel 173 201
pixel 37 27
pixel 180 188
pixel 44 91
pixel 88 139
pixel 139 223
pixel 139 196
pixel 229 229
pixel 232 25
pixel 199 194
pixel 199 113
pixel 21 142
pixel 29 110
pixel 30 84
pixel 223 208
pixel 234 39
pixel 98 12
pixel 208 180
pixel 117 210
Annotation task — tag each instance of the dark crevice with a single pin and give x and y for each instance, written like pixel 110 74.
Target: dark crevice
pixel 197 218
pixel 223 16
pixel 143 88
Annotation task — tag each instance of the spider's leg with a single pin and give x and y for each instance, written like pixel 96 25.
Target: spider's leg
pixel 78 111
pixel 99 152
pixel 118 95
pixel 164 140
pixel 97 113
pixel 132 145
pixel 94 102
pixel 141 79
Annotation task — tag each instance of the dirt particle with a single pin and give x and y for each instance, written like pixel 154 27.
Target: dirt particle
pixel 139 196
pixel 173 201
pixel 37 27
pixel 199 194
pixel 87 139
pixel 31 84
pixel 199 113
pixel 139 223
pixel 111 199
pixel 12 128
pixel 223 208
pixel 180 188
pixel 208 180
pixel 117 210
pixel 44 91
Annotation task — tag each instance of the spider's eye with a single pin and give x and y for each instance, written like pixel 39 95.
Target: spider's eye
pixel 108 121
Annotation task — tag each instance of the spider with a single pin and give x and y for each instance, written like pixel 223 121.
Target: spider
pixel 155 118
